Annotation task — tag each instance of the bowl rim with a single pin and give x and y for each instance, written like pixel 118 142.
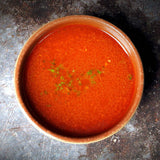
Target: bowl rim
pixel 40 127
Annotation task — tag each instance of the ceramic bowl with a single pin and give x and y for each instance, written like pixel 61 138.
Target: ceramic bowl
pixel 115 33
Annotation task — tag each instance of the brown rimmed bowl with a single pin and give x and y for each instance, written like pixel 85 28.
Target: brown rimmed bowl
pixel 115 33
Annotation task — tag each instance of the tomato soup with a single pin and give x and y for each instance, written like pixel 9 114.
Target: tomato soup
pixel 79 80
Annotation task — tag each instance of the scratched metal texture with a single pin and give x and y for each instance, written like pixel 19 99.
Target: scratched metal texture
pixel 139 139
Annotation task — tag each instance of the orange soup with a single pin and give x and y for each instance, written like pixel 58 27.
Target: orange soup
pixel 79 80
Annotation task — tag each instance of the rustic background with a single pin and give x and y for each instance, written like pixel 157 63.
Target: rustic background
pixel 139 139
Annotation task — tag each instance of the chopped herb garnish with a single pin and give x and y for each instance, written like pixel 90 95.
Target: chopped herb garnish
pixel 48 105
pixel 130 76
pixel 89 72
pixel 77 92
pixel 93 82
pixel 52 70
pixel 93 76
pixel 57 88
pixel 99 72
pixel 59 67
pixel 45 92
pixel 70 83
pixel 62 83
pixel 53 62
pixel 62 78
pixel 59 84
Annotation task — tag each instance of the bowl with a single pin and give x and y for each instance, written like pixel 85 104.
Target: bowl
pixel 98 23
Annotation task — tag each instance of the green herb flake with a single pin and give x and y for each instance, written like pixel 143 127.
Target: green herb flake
pixel 57 89
pixel 73 70
pixel 59 67
pixel 62 83
pixel 99 72
pixel 70 83
pixel 77 92
pixel 48 105
pixel 93 82
pixel 93 76
pixel 45 92
pixel 54 62
pixel 130 77
pixel 52 70
pixel 62 78
pixel 59 84
pixel 89 72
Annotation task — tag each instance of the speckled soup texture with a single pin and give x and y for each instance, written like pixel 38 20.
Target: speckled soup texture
pixel 139 139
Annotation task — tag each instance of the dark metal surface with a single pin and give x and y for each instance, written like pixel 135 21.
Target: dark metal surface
pixel 139 139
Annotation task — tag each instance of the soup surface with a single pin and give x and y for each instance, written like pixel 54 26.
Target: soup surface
pixel 79 80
